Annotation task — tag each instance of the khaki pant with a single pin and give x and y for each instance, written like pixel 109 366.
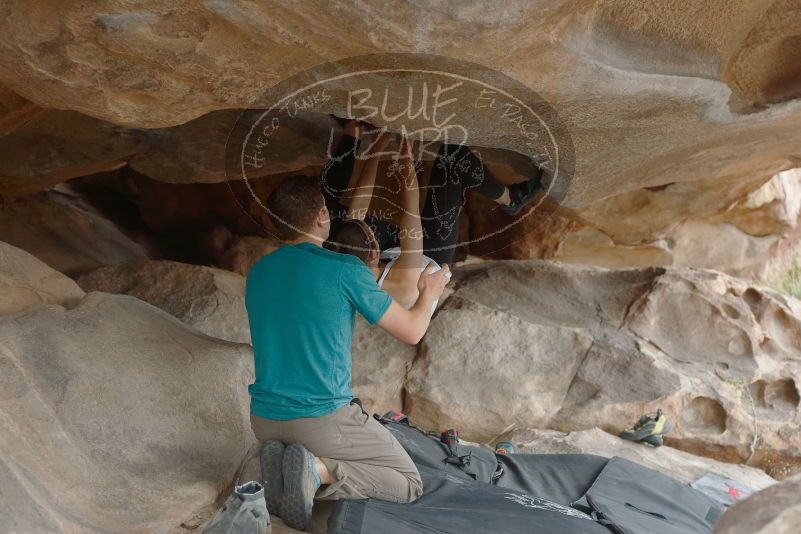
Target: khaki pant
pixel 364 457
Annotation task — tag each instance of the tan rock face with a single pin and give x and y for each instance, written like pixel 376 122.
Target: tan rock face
pixel 500 377
pixel 740 232
pixel 588 347
pixel 15 111
pixel 775 510
pixel 59 145
pixel 652 94
pixel 210 300
pixel 528 343
pixel 679 115
pixel 380 366
pixel 55 146
pixel 60 229
pixel 747 44
pixel 116 418
pixel 26 281
pixel 213 302
pixel 245 252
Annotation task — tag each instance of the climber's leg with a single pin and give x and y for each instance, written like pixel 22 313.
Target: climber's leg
pixel 456 170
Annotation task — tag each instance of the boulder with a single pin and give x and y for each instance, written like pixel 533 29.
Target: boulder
pixel 213 301
pixel 590 246
pixel 15 111
pixel 116 417
pixel 65 232
pixel 739 232
pixel 60 145
pixel 775 510
pixel 771 209
pixel 246 251
pixel 26 281
pixel 208 299
pixel 191 214
pixel 675 463
pixel 539 235
pixel 538 344
pixel 195 152
pixel 481 368
pixel 215 58
pixel 674 111
pixel 380 366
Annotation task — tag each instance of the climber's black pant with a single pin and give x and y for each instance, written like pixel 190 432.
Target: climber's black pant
pixel 456 170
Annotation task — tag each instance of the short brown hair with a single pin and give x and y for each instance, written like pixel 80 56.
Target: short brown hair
pixel 356 238
pixel 294 205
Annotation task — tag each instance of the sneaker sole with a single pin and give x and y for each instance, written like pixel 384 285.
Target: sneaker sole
pixel 272 473
pixel 637 435
pixel 656 441
pixel 296 507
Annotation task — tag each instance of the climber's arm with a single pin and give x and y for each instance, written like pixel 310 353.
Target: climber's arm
pixel 409 326
pixel 358 199
pixel 411 227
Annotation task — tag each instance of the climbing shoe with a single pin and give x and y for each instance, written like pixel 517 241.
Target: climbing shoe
pixel 244 512
pixel 272 474
pixel 521 194
pixel 648 429
pixel 301 482
pixel 505 447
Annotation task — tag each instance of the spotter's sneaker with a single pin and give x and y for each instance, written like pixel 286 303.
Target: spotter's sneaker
pixel 272 473
pixel 300 484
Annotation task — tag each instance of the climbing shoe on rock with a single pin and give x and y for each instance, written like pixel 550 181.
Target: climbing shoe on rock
pixel 244 512
pixel 272 473
pixel 648 429
pixel 301 482
pixel 521 194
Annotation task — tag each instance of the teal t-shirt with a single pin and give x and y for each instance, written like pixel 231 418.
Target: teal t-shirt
pixel 302 302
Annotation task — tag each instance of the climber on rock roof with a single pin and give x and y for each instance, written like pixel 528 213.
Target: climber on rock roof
pixel 397 254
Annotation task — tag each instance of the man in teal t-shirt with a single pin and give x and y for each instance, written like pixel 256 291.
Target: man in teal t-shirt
pixel 302 327
pixel 302 302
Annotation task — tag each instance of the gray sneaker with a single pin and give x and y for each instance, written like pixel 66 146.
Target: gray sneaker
pixel 272 475
pixel 300 485
pixel 244 512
